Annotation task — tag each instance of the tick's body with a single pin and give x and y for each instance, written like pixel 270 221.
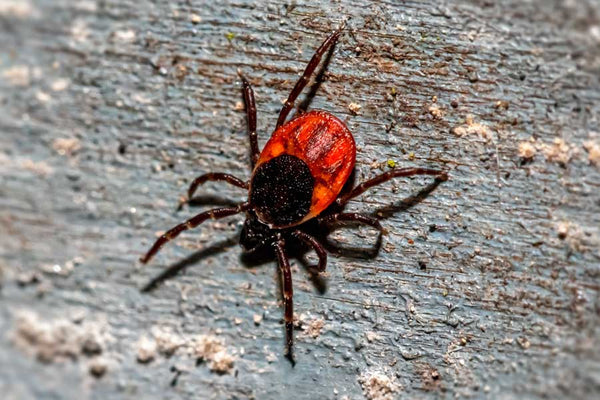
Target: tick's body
pixel 297 176
pixel 316 142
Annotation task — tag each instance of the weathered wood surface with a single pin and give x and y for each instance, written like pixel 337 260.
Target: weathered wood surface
pixel 487 287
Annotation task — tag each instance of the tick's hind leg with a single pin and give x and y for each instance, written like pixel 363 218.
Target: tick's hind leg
pixel 310 68
pixel 191 223
pixel 386 176
pixel 288 293
pixel 251 116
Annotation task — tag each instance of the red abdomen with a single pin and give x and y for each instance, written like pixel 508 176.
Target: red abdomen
pixel 325 144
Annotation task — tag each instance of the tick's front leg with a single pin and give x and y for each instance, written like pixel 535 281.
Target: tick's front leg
pixel 288 293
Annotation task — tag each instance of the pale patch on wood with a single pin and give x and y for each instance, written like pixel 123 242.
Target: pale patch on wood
pixel 378 385
pixel 593 150
pixel 212 350
pixel 66 146
pixel 60 339
pixel 472 127
pixel 17 8
pixel 17 75
pixel 527 150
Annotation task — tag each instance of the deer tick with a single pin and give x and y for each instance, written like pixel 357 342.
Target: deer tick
pixel 298 175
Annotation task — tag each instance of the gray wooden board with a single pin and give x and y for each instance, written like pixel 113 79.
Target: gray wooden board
pixel 487 288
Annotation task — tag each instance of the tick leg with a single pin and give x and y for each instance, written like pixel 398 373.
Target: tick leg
pixel 310 68
pixel 351 217
pixel 191 223
pixel 251 116
pixel 215 176
pixel 316 246
pixel 386 176
pixel 288 293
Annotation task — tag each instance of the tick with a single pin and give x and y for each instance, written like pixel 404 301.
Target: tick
pixel 296 180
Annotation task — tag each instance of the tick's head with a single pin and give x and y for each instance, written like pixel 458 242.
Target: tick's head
pixel 255 234
pixel 281 191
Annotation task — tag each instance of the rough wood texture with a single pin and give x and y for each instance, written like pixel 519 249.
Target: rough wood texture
pixel 487 287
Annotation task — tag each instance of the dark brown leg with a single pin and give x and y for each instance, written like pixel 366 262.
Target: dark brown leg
pixel 215 176
pixel 288 293
pixel 351 217
pixel 190 224
pixel 310 68
pixel 316 246
pixel 386 176
pixel 251 116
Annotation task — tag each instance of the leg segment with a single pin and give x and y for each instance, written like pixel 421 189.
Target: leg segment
pixel 191 223
pixel 288 293
pixel 215 176
pixel 386 176
pixel 316 246
pixel 251 116
pixel 310 68
pixel 351 217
